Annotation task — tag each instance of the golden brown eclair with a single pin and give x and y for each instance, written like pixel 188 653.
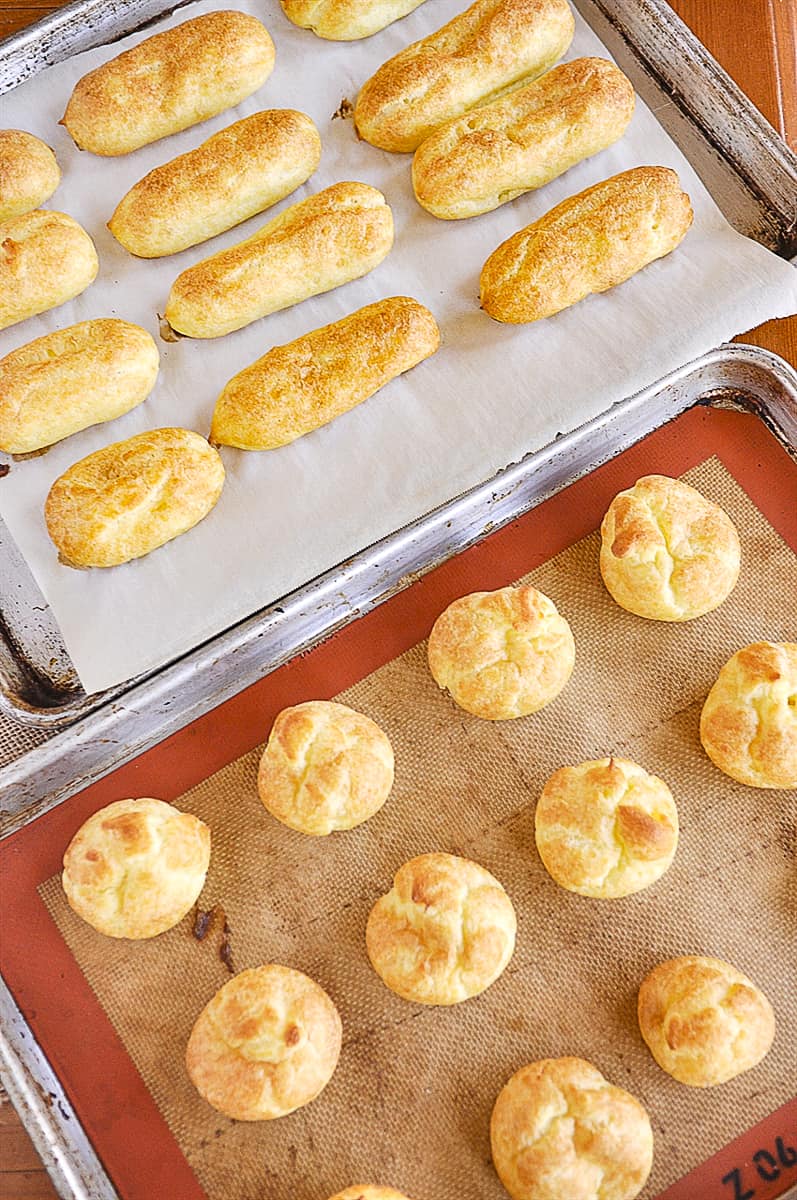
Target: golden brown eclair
pixel 129 498
pixel 168 82
pixel 29 173
pixel 313 246
pixel 346 20
pixel 76 377
pixel 46 258
pixel 235 174
pixel 484 51
pixel 489 156
pixel 308 382
pixel 589 243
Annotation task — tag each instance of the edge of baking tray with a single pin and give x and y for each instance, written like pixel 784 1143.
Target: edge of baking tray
pixel 733 376
pixel 178 694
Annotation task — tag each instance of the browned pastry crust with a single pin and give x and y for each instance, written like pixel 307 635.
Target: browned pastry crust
pixel 129 498
pixel 346 20
pixel 500 150
pixel 748 725
pixel 325 767
pixel 560 1131
pixel 668 553
pixel 317 244
pixel 29 173
pixel 266 1044
pixel 606 828
pixel 588 243
pixel 308 382
pixel 234 175
pixel 369 1191
pixel 46 258
pixel 703 1021
pixel 169 82
pixel 76 377
pixel 444 932
pixel 136 867
pixel 502 654
pixel 481 53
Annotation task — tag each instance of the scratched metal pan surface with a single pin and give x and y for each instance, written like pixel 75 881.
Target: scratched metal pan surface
pixel 733 376
pixel 747 167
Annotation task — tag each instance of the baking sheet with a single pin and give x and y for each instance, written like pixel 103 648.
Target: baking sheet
pixel 491 394
pixel 415 1085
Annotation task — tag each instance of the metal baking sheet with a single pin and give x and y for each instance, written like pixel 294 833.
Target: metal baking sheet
pixel 737 377
pixel 746 165
pixel 744 376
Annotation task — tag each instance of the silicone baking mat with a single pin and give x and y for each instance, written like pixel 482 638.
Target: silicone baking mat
pixel 409 1104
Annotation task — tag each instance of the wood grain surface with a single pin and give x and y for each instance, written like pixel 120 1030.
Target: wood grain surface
pixel 756 42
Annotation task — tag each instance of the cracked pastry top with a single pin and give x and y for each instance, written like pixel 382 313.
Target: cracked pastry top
pixel 748 725
pixel 266 1044
pixel 668 553
pixel 606 828
pixel 559 1129
pixel 136 867
pixel 703 1021
pixel 502 654
pixel 325 767
pixel 443 933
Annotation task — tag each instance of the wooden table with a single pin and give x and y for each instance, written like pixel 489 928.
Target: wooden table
pixel 756 42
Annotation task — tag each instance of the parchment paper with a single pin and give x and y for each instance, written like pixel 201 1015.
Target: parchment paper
pixel 491 393
pixel 410 1102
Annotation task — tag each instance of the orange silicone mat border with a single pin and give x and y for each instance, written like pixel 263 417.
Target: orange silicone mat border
pixel 118 1113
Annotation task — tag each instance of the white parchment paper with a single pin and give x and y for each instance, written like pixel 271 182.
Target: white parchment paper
pixel 488 396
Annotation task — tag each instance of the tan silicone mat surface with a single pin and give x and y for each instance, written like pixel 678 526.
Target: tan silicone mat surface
pixel 409 1104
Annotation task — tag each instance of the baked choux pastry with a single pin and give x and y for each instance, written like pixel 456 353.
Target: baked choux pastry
pixel 29 173
pixel 589 243
pixel 606 828
pixel 72 378
pixel 325 767
pixel 369 1191
pixel 444 932
pixel 668 553
pixel 502 654
pixel 136 867
pixel 266 1044
pixel 169 82
pixel 131 497
pixel 46 258
pixel 560 1131
pixel 703 1021
pixel 748 726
